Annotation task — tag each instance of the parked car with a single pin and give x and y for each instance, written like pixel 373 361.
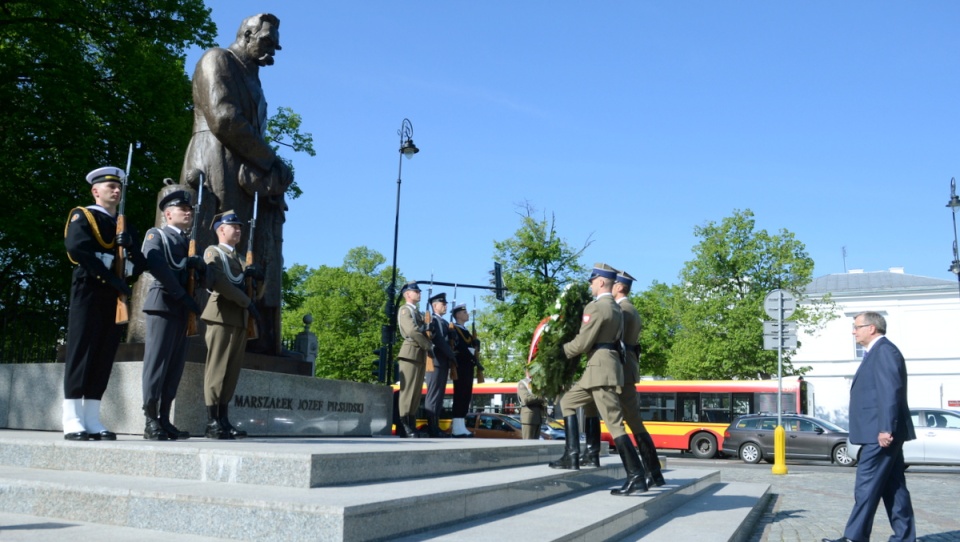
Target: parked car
pixel 938 438
pixel 490 425
pixel 552 430
pixel 751 438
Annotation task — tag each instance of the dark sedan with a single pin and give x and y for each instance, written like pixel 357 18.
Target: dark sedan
pixel 751 438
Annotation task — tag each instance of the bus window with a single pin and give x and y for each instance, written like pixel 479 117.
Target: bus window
pixel 658 407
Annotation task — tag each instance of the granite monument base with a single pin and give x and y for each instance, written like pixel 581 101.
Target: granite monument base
pixel 265 404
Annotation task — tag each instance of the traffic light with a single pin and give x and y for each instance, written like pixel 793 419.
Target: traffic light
pixel 498 289
pixel 380 365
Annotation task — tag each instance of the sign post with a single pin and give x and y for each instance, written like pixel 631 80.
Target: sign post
pixel 780 304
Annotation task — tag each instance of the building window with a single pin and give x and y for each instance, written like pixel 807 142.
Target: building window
pixel 859 351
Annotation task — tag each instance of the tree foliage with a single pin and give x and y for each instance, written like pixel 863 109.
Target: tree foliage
pixel 659 308
pixel 284 126
pixel 537 264
pixel 81 80
pixel 718 318
pixel 346 304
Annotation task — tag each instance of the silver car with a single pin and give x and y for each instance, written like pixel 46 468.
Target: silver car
pixel 938 438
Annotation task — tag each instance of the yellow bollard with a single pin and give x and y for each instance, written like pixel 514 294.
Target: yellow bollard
pixel 779 450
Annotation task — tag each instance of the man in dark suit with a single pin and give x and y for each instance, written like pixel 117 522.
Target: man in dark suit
pixel 880 422
pixel 166 306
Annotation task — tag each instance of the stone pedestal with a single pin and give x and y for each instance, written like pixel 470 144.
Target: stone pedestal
pixel 265 404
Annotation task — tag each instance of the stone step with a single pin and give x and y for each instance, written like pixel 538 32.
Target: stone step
pixel 361 512
pixel 725 512
pixel 19 527
pixel 351 512
pixel 588 515
pixel 285 462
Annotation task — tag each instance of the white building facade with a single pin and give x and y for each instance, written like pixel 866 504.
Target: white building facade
pixel 923 320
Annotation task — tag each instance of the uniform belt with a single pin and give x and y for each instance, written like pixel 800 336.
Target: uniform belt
pixel 606 346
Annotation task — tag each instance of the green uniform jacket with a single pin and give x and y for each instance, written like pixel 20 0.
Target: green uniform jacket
pixel 631 338
pixel 601 327
pixel 228 304
pixel 415 344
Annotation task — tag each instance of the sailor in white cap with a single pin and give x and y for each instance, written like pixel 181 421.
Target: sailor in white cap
pixel 93 335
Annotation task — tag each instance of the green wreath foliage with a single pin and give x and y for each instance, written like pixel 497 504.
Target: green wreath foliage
pixel 551 373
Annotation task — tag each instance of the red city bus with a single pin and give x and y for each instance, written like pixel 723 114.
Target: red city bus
pixel 686 415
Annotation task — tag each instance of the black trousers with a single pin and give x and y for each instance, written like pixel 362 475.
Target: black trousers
pixel 92 338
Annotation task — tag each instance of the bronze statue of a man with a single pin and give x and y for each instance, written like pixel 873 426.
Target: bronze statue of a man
pixel 228 146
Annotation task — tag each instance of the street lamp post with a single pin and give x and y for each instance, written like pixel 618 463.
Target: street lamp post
pixel 954 205
pixel 389 332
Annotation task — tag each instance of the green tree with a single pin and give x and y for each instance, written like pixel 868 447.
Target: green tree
pixel 284 126
pixel 537 263
pixel 346 303
pixel 720 334
pixel 659 307
pixel 82 80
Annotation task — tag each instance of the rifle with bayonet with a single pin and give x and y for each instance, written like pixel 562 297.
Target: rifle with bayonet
pixel 427 318
pixel 473 331
pixel 120 262
pixel 192 330
pixel 253 332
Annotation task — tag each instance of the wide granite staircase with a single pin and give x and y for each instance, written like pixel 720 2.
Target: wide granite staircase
pixel 347 489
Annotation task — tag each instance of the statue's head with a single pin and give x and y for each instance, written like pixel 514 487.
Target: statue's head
pixel 258 38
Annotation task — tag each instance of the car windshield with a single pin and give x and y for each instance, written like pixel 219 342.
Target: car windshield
pixel 830 426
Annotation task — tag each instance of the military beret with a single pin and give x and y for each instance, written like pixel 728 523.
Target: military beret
pixel 226 217
pixel 439 298
pixel 104 174
pixel 178 197
pixel 603 270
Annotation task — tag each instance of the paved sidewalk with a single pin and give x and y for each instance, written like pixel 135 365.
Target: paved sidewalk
pixel 809 504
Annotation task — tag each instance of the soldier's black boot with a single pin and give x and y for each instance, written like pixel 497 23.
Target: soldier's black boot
pixel 227 427
pixel 409 429
pixel 571 455
pixel 433 427
pixel 214 430
pixel 591 455
pixel 648 452
pixel 172 432
pixel 152 430
pixel 636 477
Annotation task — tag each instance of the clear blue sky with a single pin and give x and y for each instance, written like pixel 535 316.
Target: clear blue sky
pixel 630 122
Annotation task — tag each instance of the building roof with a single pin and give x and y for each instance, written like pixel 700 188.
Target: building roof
pixel 860 282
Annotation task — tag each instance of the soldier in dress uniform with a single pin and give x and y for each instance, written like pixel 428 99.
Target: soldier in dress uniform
pixel 226 316
pixel 465 348
pixel 412 359
pixel 444 358
pixel 166 306
pixel 93 335
pixel 629 401
pixel 599 337
pixel 532 407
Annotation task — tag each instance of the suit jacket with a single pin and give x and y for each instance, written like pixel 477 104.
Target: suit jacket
pixel 600 326
pixel 415 344
pixel 631 340
pixel 229 302
pixel 878 396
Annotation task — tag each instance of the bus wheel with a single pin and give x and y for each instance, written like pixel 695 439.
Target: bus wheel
pixel 703 445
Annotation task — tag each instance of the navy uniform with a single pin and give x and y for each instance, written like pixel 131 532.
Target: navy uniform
pixel 442 360
pixel 599 338
pixel 226 316
pixel 531 410
pixel 465 347
pixel 629 400
pixel 93 335
pixel 411 360
pixel 167 305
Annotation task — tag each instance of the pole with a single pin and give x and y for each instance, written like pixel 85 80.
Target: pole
pixel 780 436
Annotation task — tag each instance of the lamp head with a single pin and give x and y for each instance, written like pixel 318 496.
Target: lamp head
pixel 409 149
